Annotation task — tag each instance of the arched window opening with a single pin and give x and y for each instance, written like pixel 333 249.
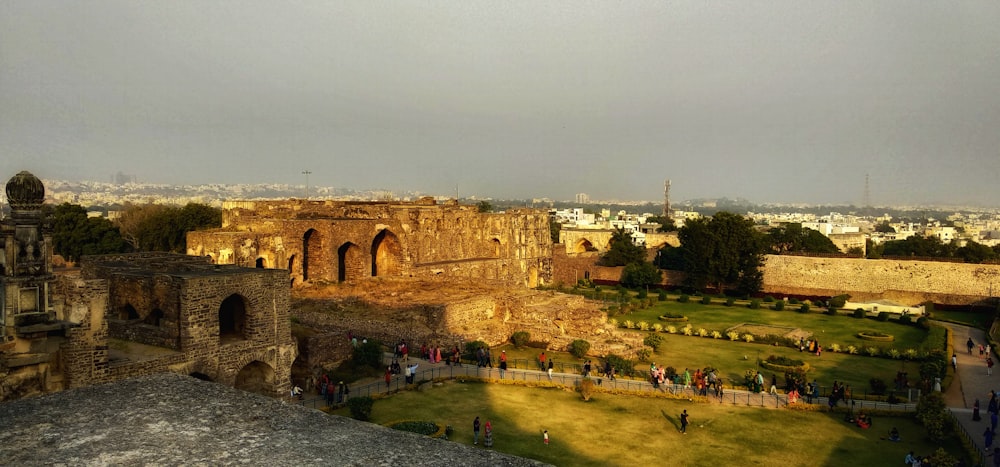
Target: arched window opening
pixel 232 318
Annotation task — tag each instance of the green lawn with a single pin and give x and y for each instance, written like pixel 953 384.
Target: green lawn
pixel 631 430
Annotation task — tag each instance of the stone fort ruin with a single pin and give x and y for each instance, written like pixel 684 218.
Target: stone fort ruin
pixel 120 316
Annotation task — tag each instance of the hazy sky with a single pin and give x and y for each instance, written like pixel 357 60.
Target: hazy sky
pixel 771 101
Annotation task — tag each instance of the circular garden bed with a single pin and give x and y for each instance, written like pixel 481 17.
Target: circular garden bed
pixel 422 427
pixel 673 318
pixel 783 364
pixel 876 336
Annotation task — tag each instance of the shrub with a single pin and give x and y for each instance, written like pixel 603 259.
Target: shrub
pixel 839 301
pixel 702 332
pixel 754 304
pixel 586 388
pixel 894 354
pixel 642 294
pixel 622 366
pixel 653 340
pixel 878 386
pixel 687 330
pixel 933 415
pixel 768 299
pixel 706 300
pixel 361 408
pixel 672 329
pixel 643 326
pixel 883 316
pixel 793 300
pixel 520 338
pixel 778 306
pixel 905 319
pixel 831 311
pixel 748 337
pixel 910 354
pixel 716 335
pixel 733 335
pixel 923 323
pixel 684 298
pixel 368 354
pixel 579 348
pixel 662 295
pixel 628 324
pixel 643 355
pixel 852 350
pixel 657 327
pixel 613 322
pixel 472 347
pixel 730 301
pixel 859 313
pixel 835 348
pixel 783 361
pixel 872 351
pixel 804 308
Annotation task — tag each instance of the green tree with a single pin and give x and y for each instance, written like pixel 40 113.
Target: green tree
pixel 933 415
pixel 884 227
pixel 918 245
pixel 666 224
pixel 74 234
pixel 164 228
pixel 621 251
pixel 484 206
pixel 722 251
pixel 640 275
pixel 554 229
pixel 793 238
pixel 974 252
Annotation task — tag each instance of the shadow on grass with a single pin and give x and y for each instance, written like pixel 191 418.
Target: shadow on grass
pixel 675 421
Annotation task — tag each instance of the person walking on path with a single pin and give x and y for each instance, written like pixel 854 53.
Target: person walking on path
pixel 388 377
pixel 475 431
pixel 954 361
pixel 550 370
pixel 988 437
pixel 970 345
pixel 989 366
pixel 684 421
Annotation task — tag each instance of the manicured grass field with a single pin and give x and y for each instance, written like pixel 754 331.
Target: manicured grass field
pixel 631 430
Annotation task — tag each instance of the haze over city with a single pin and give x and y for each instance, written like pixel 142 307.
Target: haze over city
pixel 771 101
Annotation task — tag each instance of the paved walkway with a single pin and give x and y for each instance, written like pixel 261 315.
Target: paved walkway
pixel 971 383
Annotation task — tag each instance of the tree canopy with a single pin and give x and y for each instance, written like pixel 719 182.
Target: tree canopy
pixel 621 251
pixel 793 238
pixel 74 234
pixel 666 224
pixel 721 252
pixel 152 227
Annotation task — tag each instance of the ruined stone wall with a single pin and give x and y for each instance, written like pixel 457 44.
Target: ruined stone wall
pixel 267 328
pixel 329 241
pixel 906 282
pixel 85 353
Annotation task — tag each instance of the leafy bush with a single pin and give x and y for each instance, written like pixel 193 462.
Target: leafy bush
pixel 768 299
pixel 793 300
pixel 368 354
pixel 361 408
pixel 472 347
pixel 730 301
pixel 804 308
pixel 905 319
pixel 923 323
pixel 653 340
pixel 933 415
pixel 661 295
pixel 754 304
pixel 642 294
pixel 778 306
pixel 883 316
pixel 878 386
pixel 839 301
pixel 586 388
pixel 733 335
pixel 579 348
pixel 859 313
pixel 706 300
pixel 520 338
pixel 783 361
pixel 642 325
pixel 748 337
pixel 643 354
pixel 684 298
pixel 831 311
pixel 716 335
pixel 657 327
pixel 622 366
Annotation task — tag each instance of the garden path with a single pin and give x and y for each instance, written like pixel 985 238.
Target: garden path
pixel 971 383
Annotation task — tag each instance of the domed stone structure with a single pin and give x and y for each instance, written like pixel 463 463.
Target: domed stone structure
pixel 25 191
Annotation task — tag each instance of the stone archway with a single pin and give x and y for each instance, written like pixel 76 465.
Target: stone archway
pixel 496 247
pixel 232 319
pixel 312 248
pixel 583 245
pixel 350 262
pixel 260 263
pixel 154 317
pixel 128 313
pixel 257 377
pixel 386 254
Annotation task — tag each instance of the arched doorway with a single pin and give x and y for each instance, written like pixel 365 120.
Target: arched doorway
pixel 201 376
pixel 257 377
pixel 350 262
pixel 386 253
pixel 583 245
pixel 232 319
pixel 128 312
pixel 260 263
pixel 496 247
pixel 154 317
pixel 312 247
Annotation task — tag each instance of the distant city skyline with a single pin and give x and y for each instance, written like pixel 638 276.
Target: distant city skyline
pixel 769 101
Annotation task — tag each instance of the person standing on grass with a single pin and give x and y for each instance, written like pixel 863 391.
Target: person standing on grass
pixel 545 437
pixel 488 434
pixel 475 431
pixel 388 377
pixel 684 421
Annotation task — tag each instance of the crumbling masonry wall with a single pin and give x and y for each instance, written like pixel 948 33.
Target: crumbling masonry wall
pixel 336 241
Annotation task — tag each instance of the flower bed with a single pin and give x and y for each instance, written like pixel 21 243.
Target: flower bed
pixel 673 318
pixel 875 336
pixel 422 427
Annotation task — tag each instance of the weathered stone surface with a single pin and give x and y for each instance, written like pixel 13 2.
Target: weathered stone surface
pixel 170 419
